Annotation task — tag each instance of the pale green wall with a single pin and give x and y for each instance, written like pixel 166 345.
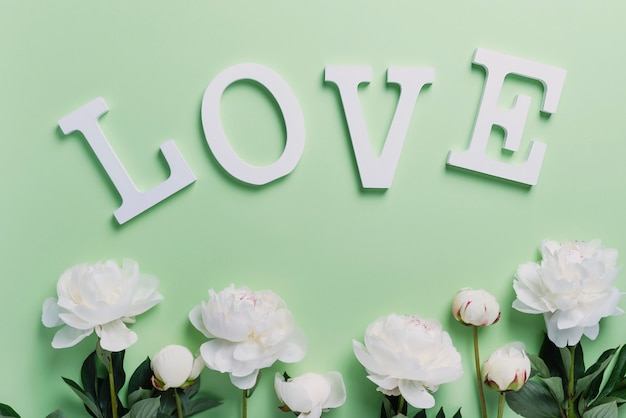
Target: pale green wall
pixel 338 255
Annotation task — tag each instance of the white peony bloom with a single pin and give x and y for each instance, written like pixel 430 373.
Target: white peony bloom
pixel 475 307
pixel 508 368
pixel 409 356
pixel 571 287
pixel 101 297
pixel 248 331
pixel 311 394
pixel 175 367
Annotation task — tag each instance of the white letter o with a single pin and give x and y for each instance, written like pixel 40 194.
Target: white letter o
pixel 214 131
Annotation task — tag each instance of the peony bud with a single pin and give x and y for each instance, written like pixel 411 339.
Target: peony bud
pixel 175 367
pixel 475 307
pixel 508 368
pixel 311 394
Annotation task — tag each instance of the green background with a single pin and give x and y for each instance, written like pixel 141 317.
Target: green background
pixel 338 255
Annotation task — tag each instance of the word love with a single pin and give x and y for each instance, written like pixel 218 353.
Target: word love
pixel 374 171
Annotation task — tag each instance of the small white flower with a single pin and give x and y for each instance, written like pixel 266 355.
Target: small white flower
pixel 508 368
pixel 571 287
pixel 409 356
pixel 475 307
pixel 248 331
pixel 311 394
pixel 175 367
pixel 101 297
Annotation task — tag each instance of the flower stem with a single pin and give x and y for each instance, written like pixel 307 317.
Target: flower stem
pixel 179 406
pixel 401 403
pixel 481 392
pixel 571 412
pixel 244 404
pixel 112 389
pixel 501 404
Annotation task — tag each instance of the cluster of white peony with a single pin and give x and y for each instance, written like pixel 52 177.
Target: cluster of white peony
pixel 101 297
pixel 404 355
pixel 571 287
pixel 409 356
pixel 247 331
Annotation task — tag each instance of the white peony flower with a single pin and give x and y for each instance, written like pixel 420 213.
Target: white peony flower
pixel 311 394
pixel 175 367
pixel 571 287
pixel 409 356
pixel 508 368
pixel 475 307
pixel 248 331
pixel 101 297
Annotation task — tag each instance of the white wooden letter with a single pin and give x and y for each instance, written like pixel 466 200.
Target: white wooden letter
pixel 216 137
pixel 134 202
pixel 512 121
pixel 377 172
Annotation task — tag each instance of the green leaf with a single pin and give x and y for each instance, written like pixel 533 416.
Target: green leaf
pixel 200 404
pixel 146 408
pixel 607 410
pixel 617 374
pixel 138 395
pixel 592 378
pixel 56 414
pixel 555 386
pixel 458 414
pixel 141 377
pixel 168 402
pixel 89 377
pixel 539 365
pixel 533 400
pixel 551 355
pixel 91 406
pixel 7 411
pixel 441 414
pixel 608 399
pixel 420 414
pixel 119 375
pixel 192 390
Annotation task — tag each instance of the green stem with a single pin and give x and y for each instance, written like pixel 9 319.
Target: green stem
pixel 179 406
pixel 571 411
pixel 244 404
pixel 501 404
pixel 112 389
pixel 479 381
pixel 401 403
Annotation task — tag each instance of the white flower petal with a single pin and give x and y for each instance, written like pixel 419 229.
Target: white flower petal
pixel 416 395
pixel 295 396
pixel 68 337
pixel 115 336
pixel 50 314
pixel 295 347
pixel 195 317
pixel 245 382
pixel 316 412
pixel 337 390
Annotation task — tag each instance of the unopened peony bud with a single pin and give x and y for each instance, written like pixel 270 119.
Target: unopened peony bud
pixel 310 394
pixel 508 368
pixel 175 367
pixel 475 307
